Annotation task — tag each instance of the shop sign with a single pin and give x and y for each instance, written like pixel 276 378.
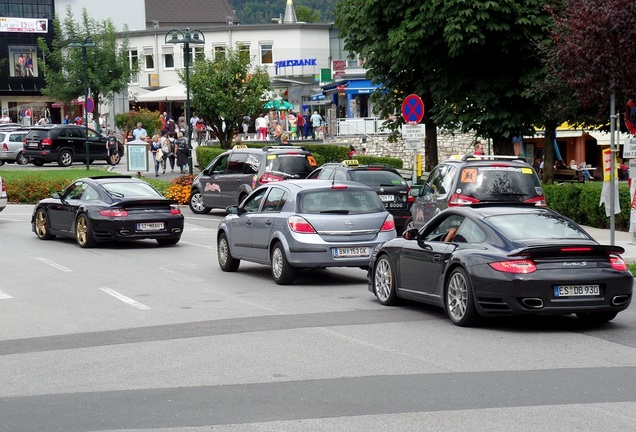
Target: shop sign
pixel 24 25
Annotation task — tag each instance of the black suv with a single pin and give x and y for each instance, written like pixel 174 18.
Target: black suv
pixel 385 180
pixel 471 179
pixel 234 174
pixel 66 144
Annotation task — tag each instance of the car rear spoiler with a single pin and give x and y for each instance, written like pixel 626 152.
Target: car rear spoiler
pixel 567 249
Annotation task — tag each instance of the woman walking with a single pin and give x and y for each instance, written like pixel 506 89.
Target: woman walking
pixel 182 152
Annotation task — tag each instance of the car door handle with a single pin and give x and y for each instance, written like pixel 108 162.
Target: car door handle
pixel 268 223
pixel 437 258
pixel 248 222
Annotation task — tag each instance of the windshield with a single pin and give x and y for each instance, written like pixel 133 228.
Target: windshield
pixel 496 183
pixel 131 190
pixel 535 226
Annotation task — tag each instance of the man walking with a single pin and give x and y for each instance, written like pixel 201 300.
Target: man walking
pixel 315 121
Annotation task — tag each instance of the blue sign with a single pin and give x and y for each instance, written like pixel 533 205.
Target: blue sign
pixel 90 105
pixel 413 109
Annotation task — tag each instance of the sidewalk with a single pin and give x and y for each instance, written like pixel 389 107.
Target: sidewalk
pixel 122 168
pixel 621 238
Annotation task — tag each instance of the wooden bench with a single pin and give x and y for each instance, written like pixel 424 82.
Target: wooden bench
pixel 568 175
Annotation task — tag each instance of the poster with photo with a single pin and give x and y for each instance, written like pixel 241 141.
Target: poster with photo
pixel 23 61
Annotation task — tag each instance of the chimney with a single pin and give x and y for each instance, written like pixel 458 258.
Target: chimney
pixel 290 13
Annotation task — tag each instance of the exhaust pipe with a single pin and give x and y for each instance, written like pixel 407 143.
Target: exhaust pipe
pixel 532 302
pixel 620 300
pixel 176 230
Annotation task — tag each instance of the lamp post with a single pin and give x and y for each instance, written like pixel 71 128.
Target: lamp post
pixel 88 42
pixel 186 37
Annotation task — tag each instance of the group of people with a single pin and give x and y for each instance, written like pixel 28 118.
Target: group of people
pixel 164 147
pixel 24 66
pixel 294 125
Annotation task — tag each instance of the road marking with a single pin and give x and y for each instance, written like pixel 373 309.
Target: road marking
pixel 198 244
pixel 55 265
pixel 124 298
pixel 4 296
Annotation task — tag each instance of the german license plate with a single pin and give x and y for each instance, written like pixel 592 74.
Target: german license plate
pixel 350 252
pixel 576 290
pixel 33 145
pixel 386 198
pixel 150 226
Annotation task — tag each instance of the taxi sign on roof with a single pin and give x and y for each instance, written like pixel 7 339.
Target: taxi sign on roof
pixel 353 162
pixel 238 146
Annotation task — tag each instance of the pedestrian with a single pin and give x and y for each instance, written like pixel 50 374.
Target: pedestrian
pixel 352 152
pixel 278 132
pixel 284 139
pixel 165 150
pixel 201 128
pixel 139 131
pixel 182 152
pixel 172 150
pixel 111 147
pixel 261 126
pixel 479 149
pixel 315 121
pixel 307 125
pixel 157 154
pixel 67 120
pixel 363 152
pixel 246 126
pixel 300 122
pixel 292 121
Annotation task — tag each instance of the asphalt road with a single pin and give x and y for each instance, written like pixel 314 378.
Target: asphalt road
pixel 138 337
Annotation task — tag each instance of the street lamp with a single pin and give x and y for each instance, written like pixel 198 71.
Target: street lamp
pixel 186 37
pixel 88 42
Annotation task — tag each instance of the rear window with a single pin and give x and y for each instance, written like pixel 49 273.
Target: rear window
pixel 499 183
pixel 344 201
pixel 129 190
pixel 294 165
pixel 544 227
pixel 376 178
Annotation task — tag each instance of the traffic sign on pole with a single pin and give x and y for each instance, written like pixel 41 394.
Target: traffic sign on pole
pixel 90 105
pixel 412 109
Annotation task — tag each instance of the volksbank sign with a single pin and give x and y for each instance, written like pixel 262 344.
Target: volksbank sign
pixel 297 62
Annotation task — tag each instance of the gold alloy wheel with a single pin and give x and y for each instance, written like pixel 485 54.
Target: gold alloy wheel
pixel 41 224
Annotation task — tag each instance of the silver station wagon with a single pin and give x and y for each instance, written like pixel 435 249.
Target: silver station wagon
pixel 303 224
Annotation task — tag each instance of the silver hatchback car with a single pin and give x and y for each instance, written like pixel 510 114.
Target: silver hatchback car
pixel 303 224
pixel 11 146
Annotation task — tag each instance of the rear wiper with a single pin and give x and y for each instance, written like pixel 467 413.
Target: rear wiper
pixel 335 211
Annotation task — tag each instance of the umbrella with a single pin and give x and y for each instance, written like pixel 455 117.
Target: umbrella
pixel 278 104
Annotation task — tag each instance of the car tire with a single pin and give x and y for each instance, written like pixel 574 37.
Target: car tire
pixel 384 281
pixel 409 224
pixel 37 162
pixel 168 241
pixel 459 302
pixel 41 225
pixel 21 159
pixel 195 202
pixel 596 318
pixel 84 232
pixel 241 198
pixel 282 272
pixel 65 158
pixel 1 162
pixel 226 261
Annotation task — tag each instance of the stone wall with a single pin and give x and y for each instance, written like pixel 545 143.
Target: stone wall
pixel 447 144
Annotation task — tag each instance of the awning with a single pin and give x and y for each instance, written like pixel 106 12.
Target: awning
pixel 176 92
pixel 604 138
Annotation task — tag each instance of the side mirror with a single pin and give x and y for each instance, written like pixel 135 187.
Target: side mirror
pixel 55 195
pixel 410 234
pixel 233 209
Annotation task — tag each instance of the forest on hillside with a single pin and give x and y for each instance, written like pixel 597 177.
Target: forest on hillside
pixel 262 11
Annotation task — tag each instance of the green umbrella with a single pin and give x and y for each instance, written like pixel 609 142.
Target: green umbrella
pixel 278 104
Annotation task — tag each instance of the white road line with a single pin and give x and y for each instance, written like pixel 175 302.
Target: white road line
pixel 124 298
pixel 197 244
pixel 55 265
pixel 4 296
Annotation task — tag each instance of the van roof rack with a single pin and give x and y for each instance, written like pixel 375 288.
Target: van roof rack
pixel 492 157
pixel 283 147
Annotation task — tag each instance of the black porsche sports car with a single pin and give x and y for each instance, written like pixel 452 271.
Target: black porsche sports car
pixel 107 208
pixel 503 260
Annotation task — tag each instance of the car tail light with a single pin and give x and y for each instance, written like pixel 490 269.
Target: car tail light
pixel 114 213
pixel 389 224
pixel 4 186
pixel 409 197
pixel 460 200
pixel 617 263
pixel 47 142
pixel 5 147
pixel 268 177
pixel 174 209
pixel 537 201
pixel 515 266
pixel 300 225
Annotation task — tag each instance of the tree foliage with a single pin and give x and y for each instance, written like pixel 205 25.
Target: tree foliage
pixel 262 11
pixel 596 52
pixel 227 88
pixel 107 70
pixel 474 60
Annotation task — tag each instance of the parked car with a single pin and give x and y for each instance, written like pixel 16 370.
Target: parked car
pixel 385 180
pixel 108 208
pixel 5 126
pixel 303 224
pixel 472 179
pixel 11 146
pixel 234 174
pixel 3 194
pixel 66 144
pixel 493 260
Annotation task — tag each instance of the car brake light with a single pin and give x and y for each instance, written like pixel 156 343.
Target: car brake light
pixel 47 142
pixel 576 249
pixel 409 197
pixel 300 225
pixel 268 177
pixel 515 266
pixel 4 186
pixel 537 201
pixel 389 224
pixel 174 209
pixel 113 213
pixel 339 187
pixel 460 200
pixel 617 263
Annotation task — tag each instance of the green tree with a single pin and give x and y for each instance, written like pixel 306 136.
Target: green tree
pixel 471 61
pixel 307 14
pixel 226 89
pixel 107 69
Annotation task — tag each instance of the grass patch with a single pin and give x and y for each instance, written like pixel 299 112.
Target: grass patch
pixel 632 268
